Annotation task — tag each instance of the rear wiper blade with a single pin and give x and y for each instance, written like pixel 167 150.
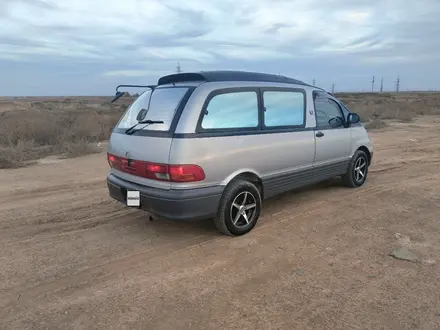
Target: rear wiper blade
pixel 148 122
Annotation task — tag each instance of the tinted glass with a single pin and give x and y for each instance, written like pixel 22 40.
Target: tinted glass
pixel 163 105
pixel 283 108
pixel 345 110
pixel 232 110
pixel 326 110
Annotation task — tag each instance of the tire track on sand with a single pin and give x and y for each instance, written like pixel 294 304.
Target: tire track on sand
pixel 19 195
pixel 112 267
pixel 105 270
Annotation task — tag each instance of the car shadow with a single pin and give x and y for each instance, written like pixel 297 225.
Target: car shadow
pixel 206 227
pixel 298 196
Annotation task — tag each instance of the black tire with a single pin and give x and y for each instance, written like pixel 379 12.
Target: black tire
pixel 236 191
pixel 352 178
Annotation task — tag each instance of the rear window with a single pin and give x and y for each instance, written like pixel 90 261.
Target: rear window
pixel 163 105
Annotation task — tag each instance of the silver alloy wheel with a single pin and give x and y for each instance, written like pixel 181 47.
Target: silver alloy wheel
pixel 360 169
pixel 243 209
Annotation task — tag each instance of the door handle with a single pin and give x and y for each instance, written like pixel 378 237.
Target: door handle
pixel 319 134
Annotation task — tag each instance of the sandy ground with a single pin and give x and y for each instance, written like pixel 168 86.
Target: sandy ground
pixel 318 258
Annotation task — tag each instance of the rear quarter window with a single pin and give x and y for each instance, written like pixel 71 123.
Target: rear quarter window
pixel 283 108
pixel 231 110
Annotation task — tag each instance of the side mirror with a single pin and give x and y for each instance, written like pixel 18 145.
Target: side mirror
pixel 335 122
pixel 353 118
pixel 118 95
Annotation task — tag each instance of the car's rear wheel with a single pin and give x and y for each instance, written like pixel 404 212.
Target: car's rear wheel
pixel 357 170
pixel 239 208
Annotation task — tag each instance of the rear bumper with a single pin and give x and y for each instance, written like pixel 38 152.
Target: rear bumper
pixel 181 205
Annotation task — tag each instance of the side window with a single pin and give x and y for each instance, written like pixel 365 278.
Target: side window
pixel 232 110
pixel 328 113
pixel 283 108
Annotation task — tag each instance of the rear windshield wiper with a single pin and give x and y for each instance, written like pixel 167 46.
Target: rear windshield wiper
pixel 147 122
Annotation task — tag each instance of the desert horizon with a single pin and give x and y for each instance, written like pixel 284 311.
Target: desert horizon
pixel 36 127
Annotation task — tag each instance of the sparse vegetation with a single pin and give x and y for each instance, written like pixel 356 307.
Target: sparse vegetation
pixel 375 124
pixel 376 109
pixel 32 128
pixel 70 127
pixel 393 105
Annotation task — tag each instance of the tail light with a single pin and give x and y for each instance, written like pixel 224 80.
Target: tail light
pixel 153 171
pixel 111 159
pixel 186 173
pixel 114 161
pixel 157 172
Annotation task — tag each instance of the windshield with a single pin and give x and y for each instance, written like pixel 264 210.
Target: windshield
pixel 163 105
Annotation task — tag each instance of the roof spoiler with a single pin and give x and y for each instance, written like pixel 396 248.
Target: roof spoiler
pixel 181 77
pixel 216 76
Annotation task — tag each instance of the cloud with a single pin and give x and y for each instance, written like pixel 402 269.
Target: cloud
pixel 131 37
pixel 135 73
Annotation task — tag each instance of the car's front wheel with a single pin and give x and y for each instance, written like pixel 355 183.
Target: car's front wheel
pixel 357 170
pixel 239 208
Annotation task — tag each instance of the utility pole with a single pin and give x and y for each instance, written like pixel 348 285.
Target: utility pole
pixel 372 85
pixel 178 68
pixel 381 85
pixel 398 84
pixel 333 88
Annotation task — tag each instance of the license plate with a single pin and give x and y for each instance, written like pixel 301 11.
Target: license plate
pixel 133 198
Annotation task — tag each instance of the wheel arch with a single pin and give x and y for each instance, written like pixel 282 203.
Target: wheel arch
pixel 367 151
pixel 247 175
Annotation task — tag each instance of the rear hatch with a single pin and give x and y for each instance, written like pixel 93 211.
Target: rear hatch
pixel 142 157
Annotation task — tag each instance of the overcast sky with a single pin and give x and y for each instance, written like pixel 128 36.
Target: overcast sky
pixel 86 47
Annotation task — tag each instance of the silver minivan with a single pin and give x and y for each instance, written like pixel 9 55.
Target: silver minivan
pixel 216 144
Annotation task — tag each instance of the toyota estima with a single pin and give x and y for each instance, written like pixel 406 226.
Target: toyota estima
pixel 216 144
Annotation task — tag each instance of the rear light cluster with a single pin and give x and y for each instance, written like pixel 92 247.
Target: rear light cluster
pixel 162 172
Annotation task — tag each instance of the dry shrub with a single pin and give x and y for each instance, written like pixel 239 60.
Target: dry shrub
pixel 68 126
pixel 14 156
pixel 5 162
pixel 375 124
pixel 370 111
pixel 79 148
pixel 392 106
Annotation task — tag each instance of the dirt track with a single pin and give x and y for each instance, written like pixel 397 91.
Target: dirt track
pixel 318 258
